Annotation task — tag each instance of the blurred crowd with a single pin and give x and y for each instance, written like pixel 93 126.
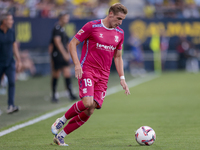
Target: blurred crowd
pixel 172 8
pixel 52 8
pixel 98 8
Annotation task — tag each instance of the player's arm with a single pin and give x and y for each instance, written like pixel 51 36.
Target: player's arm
pixel 60 46
pixel 50 48
pixel 120 69
pixel 73 51
pixel 17 56
pixel 82 34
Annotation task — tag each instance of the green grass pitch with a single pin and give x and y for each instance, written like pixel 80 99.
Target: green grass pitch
pixel 169 104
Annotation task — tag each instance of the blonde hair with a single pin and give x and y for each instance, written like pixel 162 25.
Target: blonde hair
pixel 117 7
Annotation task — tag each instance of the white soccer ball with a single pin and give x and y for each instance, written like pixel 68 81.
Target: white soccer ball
pixel 145 135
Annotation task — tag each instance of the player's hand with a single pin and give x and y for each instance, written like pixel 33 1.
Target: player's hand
pixel 125 86
pixel 78 71
pixel 66 56
pixel 18 66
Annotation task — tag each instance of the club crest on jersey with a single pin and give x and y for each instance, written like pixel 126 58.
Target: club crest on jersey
pixel 116 38
pixel 80 31
pixel 101 35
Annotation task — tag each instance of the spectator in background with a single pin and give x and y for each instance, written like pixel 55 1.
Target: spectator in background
pixel 60 58
pixel 101 10
pixel 149 10
pixel 96 8
pixel 28 67
pixel 3 84
pixel 137 64
pixel 190 9
pixel 192 63
pixel 164 44
pixel 27 63
pixel 182 46
pixel 8 46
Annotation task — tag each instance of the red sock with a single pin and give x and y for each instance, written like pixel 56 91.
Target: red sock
pixel 76 122
pixel 77 108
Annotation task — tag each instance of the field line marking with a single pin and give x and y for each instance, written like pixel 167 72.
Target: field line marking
pixel 110 91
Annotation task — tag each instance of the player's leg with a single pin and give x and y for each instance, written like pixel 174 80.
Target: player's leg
pixel 76 122
pixel 10 73
pixel 3 84
pixel 86 93
pixel 67 75
pixel 76 109
pixel 55 74
pixel 80 119
pixel 2 71
pixel 1 75
pixel 2 81
pixel 96 102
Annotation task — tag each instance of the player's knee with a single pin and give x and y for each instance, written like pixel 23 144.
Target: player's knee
pixel 88 102
pixel 56 74
pixel 89 111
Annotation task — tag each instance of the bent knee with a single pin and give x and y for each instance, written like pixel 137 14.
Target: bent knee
pixel 91 109
pixel 88 102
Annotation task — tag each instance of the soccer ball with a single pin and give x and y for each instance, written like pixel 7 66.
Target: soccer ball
pixel 145 135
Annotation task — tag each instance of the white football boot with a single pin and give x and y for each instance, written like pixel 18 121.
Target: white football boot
pixel 59 140
pixel 56 126
pixel 11 109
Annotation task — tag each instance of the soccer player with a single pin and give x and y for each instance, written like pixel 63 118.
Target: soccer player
pixel 60 56
pixel 103 40
pixel 8 46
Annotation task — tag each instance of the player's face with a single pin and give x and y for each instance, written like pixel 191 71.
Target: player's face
pixel 65 19
pixel 9 21
pixel 116 20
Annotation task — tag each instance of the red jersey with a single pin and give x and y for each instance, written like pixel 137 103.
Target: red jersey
pixel 100 44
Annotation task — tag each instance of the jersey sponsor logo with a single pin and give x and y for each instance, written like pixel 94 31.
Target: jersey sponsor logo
pixel 80 31
pixel 116 38
pixel 101 35
pixel 105 47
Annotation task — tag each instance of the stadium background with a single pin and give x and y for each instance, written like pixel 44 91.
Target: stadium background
pixel 34 20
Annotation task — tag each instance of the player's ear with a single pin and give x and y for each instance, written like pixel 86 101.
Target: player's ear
pixel 111 14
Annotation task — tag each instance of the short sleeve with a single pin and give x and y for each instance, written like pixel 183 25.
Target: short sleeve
pixel 84 32
pixel 56 31
pixel 120 45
